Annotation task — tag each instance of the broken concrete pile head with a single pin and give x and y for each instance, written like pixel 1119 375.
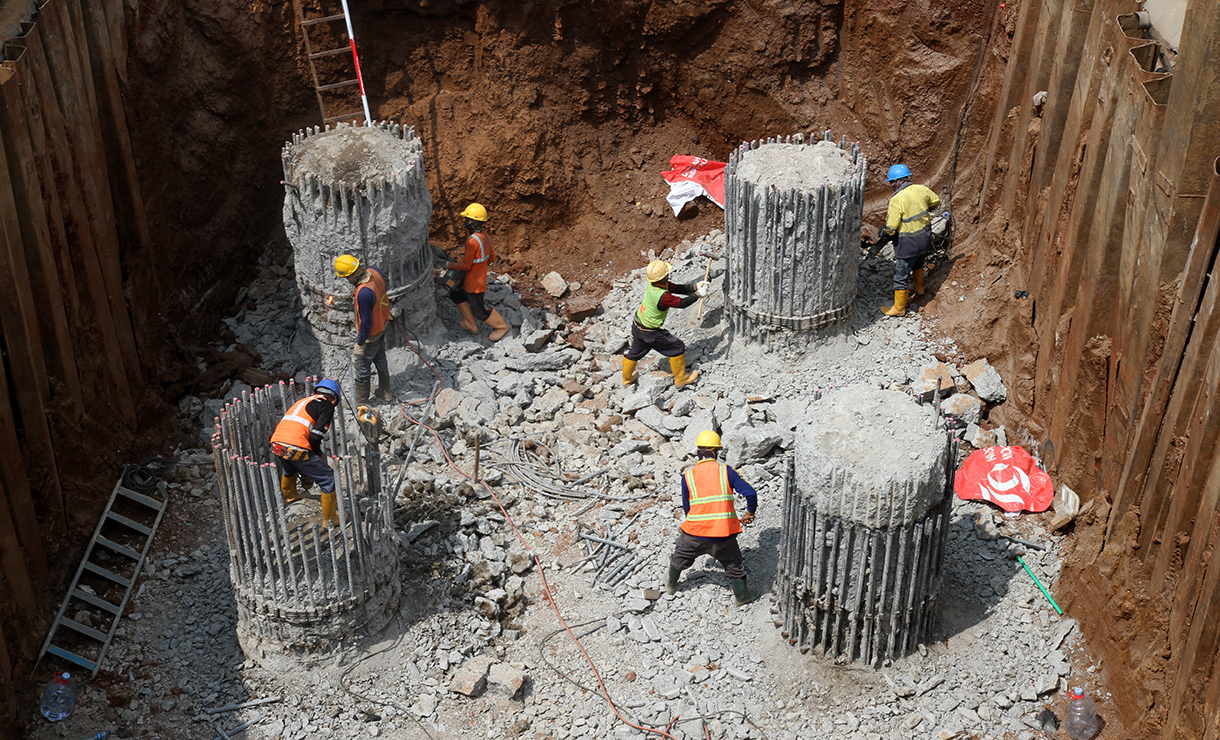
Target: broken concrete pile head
pixel 358 190
pixel 792 224
pixel 303 590
pixel 867 498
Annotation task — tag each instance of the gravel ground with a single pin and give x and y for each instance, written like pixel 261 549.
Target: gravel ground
pixel 474 652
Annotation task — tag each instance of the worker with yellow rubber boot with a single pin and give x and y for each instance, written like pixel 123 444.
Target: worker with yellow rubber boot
pixel 297 447
pixel 908 223
pixel 646 332
pixel 478 255
pixel 372 314
pixel 711 525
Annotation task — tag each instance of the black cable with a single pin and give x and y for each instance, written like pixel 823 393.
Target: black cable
pixel 404 710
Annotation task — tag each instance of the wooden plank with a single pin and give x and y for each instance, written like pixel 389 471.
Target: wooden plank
pixel 18 577
pixel 74 171
pixel 25 141
pixel 8 710
pixel 18 494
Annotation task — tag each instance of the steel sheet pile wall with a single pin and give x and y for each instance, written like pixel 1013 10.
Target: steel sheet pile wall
pixel 361 191
pixel 862 551
pixel 301 588
pixel 1116 197
pixel 793 252
pixel 70 206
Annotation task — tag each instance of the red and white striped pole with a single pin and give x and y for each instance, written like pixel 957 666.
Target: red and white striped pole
pixel 347 17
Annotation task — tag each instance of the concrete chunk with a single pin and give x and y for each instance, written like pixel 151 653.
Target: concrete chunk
pixel 986 381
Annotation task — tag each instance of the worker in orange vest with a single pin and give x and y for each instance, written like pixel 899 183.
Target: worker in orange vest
pixel 372 314
pixel 711 525
pixel 296 445
pixel 477 256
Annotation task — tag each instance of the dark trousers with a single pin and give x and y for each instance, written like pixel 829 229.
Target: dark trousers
pixel 687 549
pixel 477 307
pixel 313 467
pixel 643 340
pixel 374 354
pixel 903 268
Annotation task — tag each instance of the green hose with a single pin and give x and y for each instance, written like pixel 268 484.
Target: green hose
pixel 1042 588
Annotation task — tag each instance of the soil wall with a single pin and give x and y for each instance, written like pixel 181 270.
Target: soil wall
pixel 1101 202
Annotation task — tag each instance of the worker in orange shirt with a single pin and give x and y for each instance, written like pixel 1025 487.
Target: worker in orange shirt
pixel 478 255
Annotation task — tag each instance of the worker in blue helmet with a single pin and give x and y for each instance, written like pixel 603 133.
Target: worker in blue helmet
pixel 908 224
pixel 296 444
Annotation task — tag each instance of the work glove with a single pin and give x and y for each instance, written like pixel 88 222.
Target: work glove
pixel 358 350
pixel 701 287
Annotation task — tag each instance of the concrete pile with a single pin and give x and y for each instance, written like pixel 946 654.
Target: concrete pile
pixel 866 505
pixel 302 590
pixel 792 215
pixel 359 191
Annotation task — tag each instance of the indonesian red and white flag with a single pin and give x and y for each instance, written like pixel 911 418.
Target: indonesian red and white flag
pixel 1008 477
pixel 691 177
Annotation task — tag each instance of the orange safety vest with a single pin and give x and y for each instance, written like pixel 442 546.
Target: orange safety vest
pixel 381 303
pixel 296 425
pixel 712 513
pixel 476 276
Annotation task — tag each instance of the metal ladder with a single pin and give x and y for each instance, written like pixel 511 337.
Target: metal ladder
pixel 311 55
pixel 110 567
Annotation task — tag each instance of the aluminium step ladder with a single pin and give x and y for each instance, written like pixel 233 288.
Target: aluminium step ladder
pixel 106 577
pixel 311 56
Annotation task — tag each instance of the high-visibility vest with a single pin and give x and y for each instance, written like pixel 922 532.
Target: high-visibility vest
pixel 296 425
pixel 910 217
pixel 712 513
pixel 476 276
pixel 651 314
pixel 381 303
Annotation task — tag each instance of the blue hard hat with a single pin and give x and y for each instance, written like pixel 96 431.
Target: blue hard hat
pixel 897 172
pixel 328 385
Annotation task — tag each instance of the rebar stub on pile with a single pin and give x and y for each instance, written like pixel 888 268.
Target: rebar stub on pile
pixel 358 190
pixel 303 590
pixel 867 498
pixel 792 232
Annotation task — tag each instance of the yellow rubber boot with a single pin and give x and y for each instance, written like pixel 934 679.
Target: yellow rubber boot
pixel 468 322
pixel 288 487
pixel 330 511
pixel 900 305
pixel 628 371
pixel 678 366
pixel 917 280
pixel 498 325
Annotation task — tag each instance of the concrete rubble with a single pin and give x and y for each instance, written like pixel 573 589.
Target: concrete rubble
pixel 475 649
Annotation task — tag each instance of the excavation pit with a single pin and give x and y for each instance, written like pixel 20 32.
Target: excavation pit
pixel 360 191
pixel 866 507
pixel 792 222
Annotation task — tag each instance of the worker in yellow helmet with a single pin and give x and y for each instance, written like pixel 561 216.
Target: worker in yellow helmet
pixel 908 223
pixel 712 525
pixel 646 332
pixel 372 314
pixel 478 255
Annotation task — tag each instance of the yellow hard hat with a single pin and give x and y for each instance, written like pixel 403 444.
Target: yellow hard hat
pixel 657 270
pixel 475 212
pixel 708 438
pixel 345 265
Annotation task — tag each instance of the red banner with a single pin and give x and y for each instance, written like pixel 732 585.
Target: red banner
pixel 691 177
pixel 1008 477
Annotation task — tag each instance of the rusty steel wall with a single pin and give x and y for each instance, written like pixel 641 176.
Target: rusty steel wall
pixel 69 204
pixel 1116 196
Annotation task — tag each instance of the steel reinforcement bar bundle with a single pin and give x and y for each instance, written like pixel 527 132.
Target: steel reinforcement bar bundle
pixel 286 568
pixel 793 253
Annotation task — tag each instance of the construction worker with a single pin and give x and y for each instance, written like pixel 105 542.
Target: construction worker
pixel 372 313
pixel 646 332
pixel 908 223
pixel 711 525
pixel 478 255
pixel 296 444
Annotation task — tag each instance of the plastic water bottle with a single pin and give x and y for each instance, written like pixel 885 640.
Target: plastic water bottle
pixel 1080 719
pixel 58 697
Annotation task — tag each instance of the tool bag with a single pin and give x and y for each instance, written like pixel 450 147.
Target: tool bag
pixel 292 453
pixel 453 279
